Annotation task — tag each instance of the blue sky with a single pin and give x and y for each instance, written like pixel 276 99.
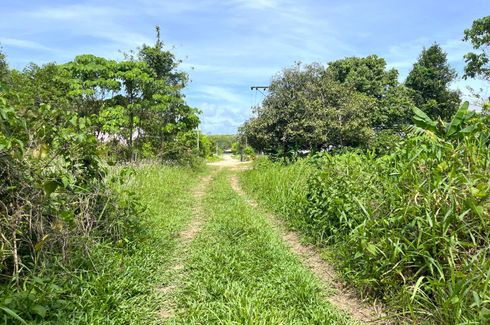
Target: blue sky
pixel 227 46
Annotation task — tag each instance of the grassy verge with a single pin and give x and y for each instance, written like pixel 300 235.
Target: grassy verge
pixel 123 289
pixel 281 188
pixel 407 228
pixel 240 272
pixel 116 284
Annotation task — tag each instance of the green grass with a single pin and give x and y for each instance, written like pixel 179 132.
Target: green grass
pixel 240 272
pixel 281 188
pixel 117 284
pixel 166 193
pixel 214 158
pixel 123 290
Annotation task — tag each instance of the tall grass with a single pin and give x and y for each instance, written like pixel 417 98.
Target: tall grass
pixel 411 227
pixel 282 187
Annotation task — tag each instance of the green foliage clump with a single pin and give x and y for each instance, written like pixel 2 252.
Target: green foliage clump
pixel 3 68
pixel 478 64
pixel 135 106
pixel 429 81
pixel 113 282
pixel 243 150
pixel 411 226
pixel 57 202
pixel 63 212
pixel 223 141
pixel 312 107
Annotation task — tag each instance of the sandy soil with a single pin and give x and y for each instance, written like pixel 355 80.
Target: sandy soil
pixel 230 162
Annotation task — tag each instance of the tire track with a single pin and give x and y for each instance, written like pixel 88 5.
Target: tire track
pixel 185 238
pixel 344 298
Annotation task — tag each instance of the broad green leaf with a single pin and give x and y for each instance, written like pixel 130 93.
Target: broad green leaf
pixel 40 310
pixel 423 120
pixel 457 120
pixel 50 187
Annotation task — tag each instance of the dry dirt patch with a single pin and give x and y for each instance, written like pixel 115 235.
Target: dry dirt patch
pixel 230 162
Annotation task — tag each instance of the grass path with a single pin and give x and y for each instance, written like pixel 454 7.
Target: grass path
pixel 185 237
pixel 167 192
pixel 214 257
pixel 239 271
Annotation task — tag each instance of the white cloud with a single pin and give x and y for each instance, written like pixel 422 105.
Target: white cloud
pixel 25 44
pixel 76 13
pixel 219 94
pixel 221 118
pixel 256 4
pixel 159 7
pixel 231 44
pixel 247 72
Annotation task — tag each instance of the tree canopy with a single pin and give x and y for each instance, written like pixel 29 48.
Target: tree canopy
pixel 429 81
pixel 136 106
pixel 3 68
pixel 478 64
pixel 313 107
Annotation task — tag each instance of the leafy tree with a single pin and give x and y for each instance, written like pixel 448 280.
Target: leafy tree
pixel 36 85
pixel 478 64
pixel 366 75
pixel 40 96
pixel 223 141
pixel 307 109
pixel 393 110
pixel 93 81
pixel 4 69
pixel 135 106
pixel 134 76
pixel 132 99
pixel 163 62
pixel 429 80
pixel 165 114
pixel 370 76
pixel 284 122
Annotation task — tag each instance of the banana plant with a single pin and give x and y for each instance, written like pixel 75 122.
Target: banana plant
pixel 457 128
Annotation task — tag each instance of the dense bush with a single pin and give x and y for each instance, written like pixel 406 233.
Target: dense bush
pixel 57 201
pixel 411 227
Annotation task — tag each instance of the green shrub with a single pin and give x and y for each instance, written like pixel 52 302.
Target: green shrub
pixel 58 205
pixel 410 227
